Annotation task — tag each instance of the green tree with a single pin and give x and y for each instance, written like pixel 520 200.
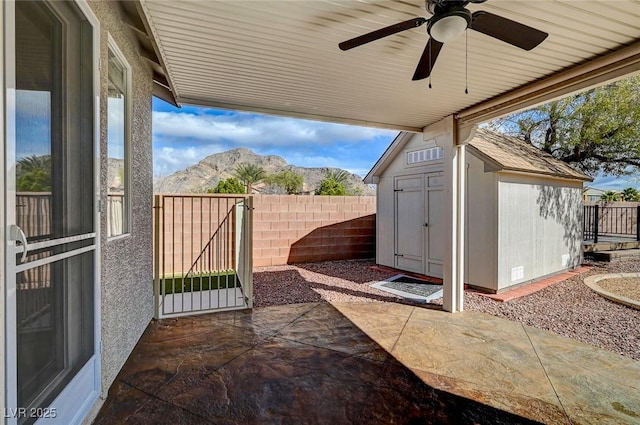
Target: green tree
pixel 230 185
pixel 595 131
pixel 33 174
pixel 289 181
pixel 249 174
pixel 337 175
pixel 331 187
pixel 610 196
pixel 631 194
pixel 342 177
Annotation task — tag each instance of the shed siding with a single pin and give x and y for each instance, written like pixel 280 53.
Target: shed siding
pixel 399 167
pixel 539 227
pixel 482 226
pixel 385 214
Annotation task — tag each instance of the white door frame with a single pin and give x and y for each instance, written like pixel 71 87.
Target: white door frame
pixel 69 413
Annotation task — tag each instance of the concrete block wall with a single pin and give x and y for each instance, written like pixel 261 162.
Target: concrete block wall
pixel 299 229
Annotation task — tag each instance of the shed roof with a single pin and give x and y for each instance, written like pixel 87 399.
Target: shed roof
pixel 512 154
pixel 498 151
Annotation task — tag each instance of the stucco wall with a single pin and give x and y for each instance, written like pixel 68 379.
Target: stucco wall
pixel 126 262
pixel 539 222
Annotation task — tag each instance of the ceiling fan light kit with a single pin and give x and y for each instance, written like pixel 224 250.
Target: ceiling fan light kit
pixel 449 20
pixel 449 26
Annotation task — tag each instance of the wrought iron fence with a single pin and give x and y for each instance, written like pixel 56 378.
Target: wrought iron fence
pixel 611 221
pixel 202 253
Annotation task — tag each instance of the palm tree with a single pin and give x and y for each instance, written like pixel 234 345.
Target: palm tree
pixel 631 194
pixel 249 174
pixel 610 196
pixel 33 174
pixel 34 162
pixel 339 176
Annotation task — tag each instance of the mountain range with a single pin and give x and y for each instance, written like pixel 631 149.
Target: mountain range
pixel 208 172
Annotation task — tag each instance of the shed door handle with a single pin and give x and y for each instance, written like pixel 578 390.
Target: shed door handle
pixel 426 224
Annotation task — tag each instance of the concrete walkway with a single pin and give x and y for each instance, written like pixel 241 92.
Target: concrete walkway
pixel 367 363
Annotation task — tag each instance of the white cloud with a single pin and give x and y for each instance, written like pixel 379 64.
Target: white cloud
pixel 614 183
pixel 182 138
pixel 168 160
pixel 242 129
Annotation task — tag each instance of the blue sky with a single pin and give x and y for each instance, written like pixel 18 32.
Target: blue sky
pixel 184 136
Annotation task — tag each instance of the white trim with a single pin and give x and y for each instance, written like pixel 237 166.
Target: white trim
pixel 112 47
pixel 10 364
pixel 53 258
pixel 3 225
pixel 387 157
pixel 72 405
pixel 294 114
pixel 608 68
pixel 91 370
pixel 48 244
pixel 97 264
pixel 461 181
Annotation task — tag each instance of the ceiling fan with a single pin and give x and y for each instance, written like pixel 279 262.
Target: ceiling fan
pixel 451 18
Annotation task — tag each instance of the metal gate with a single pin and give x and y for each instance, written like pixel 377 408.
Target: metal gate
pixel 202 254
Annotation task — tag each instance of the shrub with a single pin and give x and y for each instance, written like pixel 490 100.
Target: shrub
pixel 230 185
pixel 331 187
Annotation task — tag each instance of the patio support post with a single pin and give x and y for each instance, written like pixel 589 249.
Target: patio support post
pixel 454 293
pixel 451 138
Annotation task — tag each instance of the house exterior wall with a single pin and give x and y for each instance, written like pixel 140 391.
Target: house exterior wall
pixel 539 227
pixel 126 262
pixel 385 215
pixel 482 226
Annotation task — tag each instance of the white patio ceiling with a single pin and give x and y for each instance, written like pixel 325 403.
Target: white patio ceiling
pixel 282 57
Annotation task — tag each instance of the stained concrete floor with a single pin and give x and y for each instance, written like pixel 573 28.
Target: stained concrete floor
pixel 367 363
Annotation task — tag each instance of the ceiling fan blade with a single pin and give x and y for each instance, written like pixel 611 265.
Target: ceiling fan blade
pixel 512 32
pixel 427 60
pixel 381 33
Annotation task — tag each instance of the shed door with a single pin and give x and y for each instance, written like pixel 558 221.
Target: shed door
pixel 409 223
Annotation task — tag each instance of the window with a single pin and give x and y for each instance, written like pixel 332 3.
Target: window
pixel 425 155
pixel 118 145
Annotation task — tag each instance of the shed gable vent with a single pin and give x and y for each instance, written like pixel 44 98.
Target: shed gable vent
pixel 425 155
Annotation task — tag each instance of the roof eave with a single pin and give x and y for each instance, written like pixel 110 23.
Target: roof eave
pixel 389 154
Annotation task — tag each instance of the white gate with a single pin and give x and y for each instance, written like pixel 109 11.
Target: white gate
pixel 202 254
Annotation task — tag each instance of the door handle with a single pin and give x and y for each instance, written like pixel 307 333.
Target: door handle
pixel 18 235
pixel 426 224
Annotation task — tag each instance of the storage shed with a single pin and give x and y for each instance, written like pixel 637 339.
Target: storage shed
pixel 523 210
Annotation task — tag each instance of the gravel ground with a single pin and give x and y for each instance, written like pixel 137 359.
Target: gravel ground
pixel 627 287
pixel 331 281
pixel 568 308
pixel 572 309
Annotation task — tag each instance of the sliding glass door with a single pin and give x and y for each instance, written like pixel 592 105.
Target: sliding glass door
pixel 51 192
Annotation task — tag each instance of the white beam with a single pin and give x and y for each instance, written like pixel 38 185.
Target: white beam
pixel 619 64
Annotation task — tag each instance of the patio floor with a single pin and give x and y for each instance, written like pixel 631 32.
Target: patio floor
pixel 367 363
